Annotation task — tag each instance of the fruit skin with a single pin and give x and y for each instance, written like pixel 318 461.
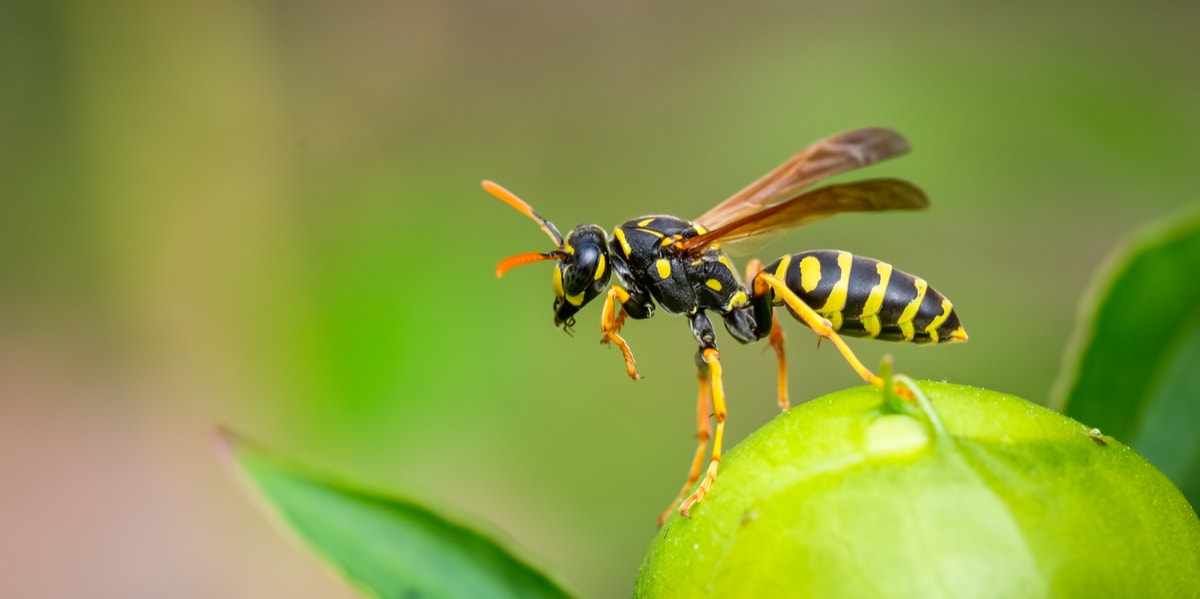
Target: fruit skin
pixel 836 499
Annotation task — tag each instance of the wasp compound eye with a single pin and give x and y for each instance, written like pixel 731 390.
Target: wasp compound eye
pixel 579 272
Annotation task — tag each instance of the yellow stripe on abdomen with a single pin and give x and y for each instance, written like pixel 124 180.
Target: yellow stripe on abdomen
pixel 870 312
pixel 939 319
pixel 875 299
pixel 910 311
pixel 837 296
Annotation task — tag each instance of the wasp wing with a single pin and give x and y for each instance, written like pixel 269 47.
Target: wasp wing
pixel 826 158
pixel 823 202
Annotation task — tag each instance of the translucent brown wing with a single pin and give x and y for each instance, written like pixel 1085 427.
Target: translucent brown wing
pixel 826 158
pixel 858 196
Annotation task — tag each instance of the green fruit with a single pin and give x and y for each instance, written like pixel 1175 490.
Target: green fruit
pixel 1005 499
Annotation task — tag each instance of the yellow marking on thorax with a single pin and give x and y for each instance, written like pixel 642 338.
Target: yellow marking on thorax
pixel 837 295
pixel 557 279
pixel 699 229
pixel 937 322
pixel 810 273
pixel 738 300
pixel 713 284
pixel 620 235
pixel 575 300
pixel 645 222
pixel 723 260
pixel 600 268
pixel 664 268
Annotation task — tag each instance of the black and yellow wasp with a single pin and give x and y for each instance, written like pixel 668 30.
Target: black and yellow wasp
pixel 681 266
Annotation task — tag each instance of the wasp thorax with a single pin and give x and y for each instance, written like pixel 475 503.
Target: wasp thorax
pixel 582 272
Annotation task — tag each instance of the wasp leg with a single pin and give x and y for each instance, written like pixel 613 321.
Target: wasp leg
pixel 611 321
pixel 776 337
pixel 703 433
pixel 764 283
pixel 712 359
pixel 776 341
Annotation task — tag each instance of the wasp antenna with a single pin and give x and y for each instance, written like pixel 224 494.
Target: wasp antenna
pixel 522 259
pixel 512 200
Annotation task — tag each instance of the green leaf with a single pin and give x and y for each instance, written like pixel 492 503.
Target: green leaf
pixel 1134 369
pixel 387 547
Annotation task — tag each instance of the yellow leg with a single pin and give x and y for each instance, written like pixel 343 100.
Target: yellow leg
pixel 704 432
pixel 775 339
pixel 611 320
pixel 821 326
pixel 713 359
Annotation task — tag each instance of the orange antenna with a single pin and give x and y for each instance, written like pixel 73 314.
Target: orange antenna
pixel 523 259
pixel 512 200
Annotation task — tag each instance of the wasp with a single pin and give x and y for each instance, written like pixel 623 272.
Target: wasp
pixel 683 267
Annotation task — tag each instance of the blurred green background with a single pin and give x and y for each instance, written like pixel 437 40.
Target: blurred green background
pixel 267 215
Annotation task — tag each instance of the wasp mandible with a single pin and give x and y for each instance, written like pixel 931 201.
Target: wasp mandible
pixel 681 266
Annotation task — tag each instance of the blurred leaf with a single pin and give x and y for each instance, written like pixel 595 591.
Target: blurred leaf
pixel 1136 358
pixel 385 546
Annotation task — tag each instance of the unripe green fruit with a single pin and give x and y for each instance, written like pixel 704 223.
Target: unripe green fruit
pixel 838 499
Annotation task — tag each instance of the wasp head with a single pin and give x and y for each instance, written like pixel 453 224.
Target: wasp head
pixel 582 272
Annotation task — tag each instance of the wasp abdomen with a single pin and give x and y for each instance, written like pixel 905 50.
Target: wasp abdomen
pixel 863 297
